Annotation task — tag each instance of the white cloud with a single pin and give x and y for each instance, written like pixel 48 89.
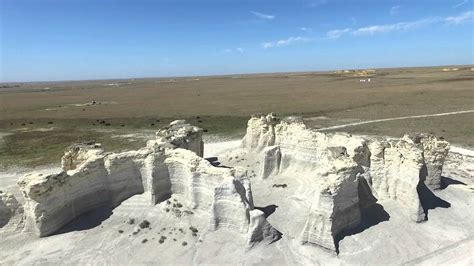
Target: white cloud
pixel 316 3
pixel 304 29
pixel 401 26
pixel 263 16
pixel 266 45
pixel 334 34
pixel 284 42
pixel 394 10
pixel 460 19
pixel 236 50
pixel 460 3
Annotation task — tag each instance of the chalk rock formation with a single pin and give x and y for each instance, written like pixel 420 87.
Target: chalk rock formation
pixel 182 135
pixel 11 211
pixel 395 173
pixel 435 151
pixel 271 159
pixel 347 172
pixel 300 147
pixel 171 164
pixel 260 229
pixel 335 204
pixel 459 163
pixel 79 153
pixel 330 162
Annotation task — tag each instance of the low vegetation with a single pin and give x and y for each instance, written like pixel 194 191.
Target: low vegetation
pixel 36 125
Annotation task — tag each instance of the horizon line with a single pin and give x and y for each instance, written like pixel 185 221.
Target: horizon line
pixel 232 74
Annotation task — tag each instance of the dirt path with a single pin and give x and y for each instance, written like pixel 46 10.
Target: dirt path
pixel 392 119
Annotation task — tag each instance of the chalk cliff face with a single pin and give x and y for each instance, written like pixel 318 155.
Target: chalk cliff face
pixel 90 178
pixel 260 229
pixel 171 164
pixel 11 212
pixel 435 151
pixel 394 173
pixel 459 163
pixel 182 135
pixel 335 204
pixel 301 149
pixel 347 172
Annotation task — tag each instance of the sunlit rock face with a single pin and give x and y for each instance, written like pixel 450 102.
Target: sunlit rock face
pixel 459 163
pixel 335 204
pixel 182 135
pixel 171 164
pixel 395 172
pixel 346 172
pixel 435 151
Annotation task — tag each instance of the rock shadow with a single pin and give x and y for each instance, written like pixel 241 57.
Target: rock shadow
pixel 268 210
pixel 278 236
pixel 429 200
pixel 370 216
pixel 87 220
pixel 447 181
pixel 215 162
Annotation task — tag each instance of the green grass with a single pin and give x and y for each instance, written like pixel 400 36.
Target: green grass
pixel 457 129
pixel 32 147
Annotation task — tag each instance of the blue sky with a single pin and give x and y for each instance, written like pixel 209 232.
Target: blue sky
pixel 85 39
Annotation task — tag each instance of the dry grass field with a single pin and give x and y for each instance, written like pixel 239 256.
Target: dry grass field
pixel 49 116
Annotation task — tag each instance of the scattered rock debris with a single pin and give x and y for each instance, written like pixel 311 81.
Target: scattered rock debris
pixel 162 239
pixel 144 224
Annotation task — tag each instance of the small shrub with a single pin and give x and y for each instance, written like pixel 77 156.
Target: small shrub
pixel 144 224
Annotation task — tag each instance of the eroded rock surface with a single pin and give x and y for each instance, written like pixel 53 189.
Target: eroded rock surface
pixel 11 212
pixel 260 229
pixel 171 164
pixel 395 172
pixel 335 204
pixel 435 151
pixel 346 172
pixel 459 163
pixel 182 135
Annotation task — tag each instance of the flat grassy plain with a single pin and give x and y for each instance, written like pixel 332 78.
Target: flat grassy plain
pixel 39 120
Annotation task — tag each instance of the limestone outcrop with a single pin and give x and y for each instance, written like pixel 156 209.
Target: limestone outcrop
pixel 346 172
pixel 260 229
pixel 182 135
pixel 435 151
pixel 271 159
pixel 395 170
pixel 459 163
pixel 335 203
pixel 169 165
pixel 11 212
